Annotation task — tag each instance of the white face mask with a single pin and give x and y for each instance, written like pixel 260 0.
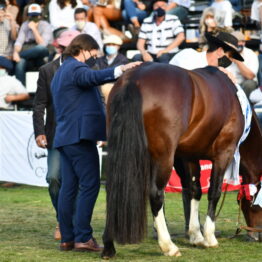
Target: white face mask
pixel 2 72
pixel 80 25
pixel 210 22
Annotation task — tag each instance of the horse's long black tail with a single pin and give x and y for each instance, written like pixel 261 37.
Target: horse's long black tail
pixel 128 167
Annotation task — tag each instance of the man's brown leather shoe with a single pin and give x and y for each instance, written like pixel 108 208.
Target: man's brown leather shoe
pixel 90 245
pixel 66 246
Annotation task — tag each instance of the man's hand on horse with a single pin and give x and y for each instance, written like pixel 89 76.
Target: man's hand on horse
pixel 130 65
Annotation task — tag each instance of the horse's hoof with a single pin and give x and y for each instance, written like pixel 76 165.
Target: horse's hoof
pixel 201 244
pixel 173 254
pixel 107 254
pixel 214 246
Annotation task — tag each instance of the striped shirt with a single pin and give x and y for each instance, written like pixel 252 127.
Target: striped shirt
pixel 6 43
pixel 161 36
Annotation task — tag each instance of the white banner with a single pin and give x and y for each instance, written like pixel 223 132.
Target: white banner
pixel 21 160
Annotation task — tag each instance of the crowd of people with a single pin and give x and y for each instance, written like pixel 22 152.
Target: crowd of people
pixel 75 45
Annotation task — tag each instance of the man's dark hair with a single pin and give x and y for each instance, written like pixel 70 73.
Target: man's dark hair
pixel 80 10
pixel 81 42
pixel 62 3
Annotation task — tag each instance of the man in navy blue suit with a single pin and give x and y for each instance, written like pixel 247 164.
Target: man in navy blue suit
pixel 80 119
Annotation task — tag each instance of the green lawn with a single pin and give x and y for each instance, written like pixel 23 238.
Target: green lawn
pixel 27 223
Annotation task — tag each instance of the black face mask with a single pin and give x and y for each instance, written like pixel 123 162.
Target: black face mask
pixel 159 12
pixel 224 61
pixel 91 61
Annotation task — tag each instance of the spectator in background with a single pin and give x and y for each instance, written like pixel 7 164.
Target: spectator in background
pixel 179 8
pixel 45 129
pixel 12 8
pixel 112 57
pixel 245 71
pixel 61 13
pixel 256 12
pixel 224 12
pixel 8 33
pixel 161 33
pixel 85 27
pixel 43 5
pixel 11 89
pixel 31 45
pixel 207 23
pixel 136 11
pixel 104 14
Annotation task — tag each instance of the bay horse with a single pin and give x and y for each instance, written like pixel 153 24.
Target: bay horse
pixel 156 112
pixel 251 171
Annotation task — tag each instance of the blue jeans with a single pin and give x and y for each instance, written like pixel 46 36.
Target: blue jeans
pixel 180 11
pixel 53 177
pixel 33 56
pixel 131 11
pixel 79 191
pixel 164 58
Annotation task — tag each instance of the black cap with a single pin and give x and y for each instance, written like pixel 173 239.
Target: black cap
pixel 227 41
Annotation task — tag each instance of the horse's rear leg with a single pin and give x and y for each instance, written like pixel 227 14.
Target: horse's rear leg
pixel 164 239
pixel 189 173
pixel 195 235
pixel 214 193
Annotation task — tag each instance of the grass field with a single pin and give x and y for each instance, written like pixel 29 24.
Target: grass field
pixel 27 222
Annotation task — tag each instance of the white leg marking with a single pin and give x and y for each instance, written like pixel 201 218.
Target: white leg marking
pixel 209 233
pixel 195 235
pixel 164 240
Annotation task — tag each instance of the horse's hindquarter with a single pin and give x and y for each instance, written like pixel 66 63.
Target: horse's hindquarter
pixel 167 100
pixel 216 120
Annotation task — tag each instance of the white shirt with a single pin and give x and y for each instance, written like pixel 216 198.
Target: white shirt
pixel 255 10
pixel 189 59
pixel 62 17
pixel 92 29
pixel 10 86
pixel 250 60
pixel 223 13
pixel 158 37
pixel 256 96
pixel 185 3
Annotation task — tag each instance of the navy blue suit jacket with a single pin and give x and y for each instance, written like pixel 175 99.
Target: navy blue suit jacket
pixel 77 102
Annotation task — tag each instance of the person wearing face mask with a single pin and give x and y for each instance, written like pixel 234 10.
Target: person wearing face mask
pixel 245 72
pixel 11 89
pixel 222 47
pixel 207 23
pixel 44 120
pixel 112 57
pixel 80 123
pixel 159 36
pixel 30 47
pixel 85 27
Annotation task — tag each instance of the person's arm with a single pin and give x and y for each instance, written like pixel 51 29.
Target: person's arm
pixel 34 27
pixel 40 104
pixel 244 70
pixel 171 6
pixel 177 41
pixel 16 97
pixel 86 77
pixel 13 26
pixel 141 47
pixel 19 43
